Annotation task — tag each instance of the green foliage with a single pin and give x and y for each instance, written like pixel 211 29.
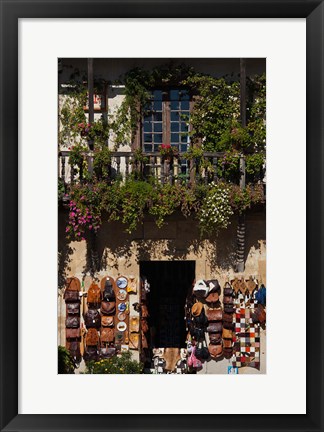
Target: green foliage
pixel 254 167
pixel 77 155
pixel 243 199
pixel 101 160
pixel 61 189
pixel 121 364
pixel 65 361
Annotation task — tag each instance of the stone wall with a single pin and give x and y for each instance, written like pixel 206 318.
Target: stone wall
pixel 120 253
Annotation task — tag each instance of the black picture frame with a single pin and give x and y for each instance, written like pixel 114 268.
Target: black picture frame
pixel 11 11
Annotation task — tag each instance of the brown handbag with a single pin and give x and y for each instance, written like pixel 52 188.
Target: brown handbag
pixel 215 338
pixel 215 351
pixel 227 334
pixel 144 311
pixel 214 315
pixel 107 321
pixel 134 324
pixel 72 322
pixel 108 308
pixel 74 349
pixel 228 352
pixel 72 333
pixel 92 337
pixel 227 343
pixel 144 325
pixel 73 308
pixel 215 327
pixel 92 318
pixel 144 341
pixel 73 284
pixel 71 296
pixel 107 335
pixel 228 317
pixel 228 300
pixel 259 315
pixel 94 294
pixel 228 325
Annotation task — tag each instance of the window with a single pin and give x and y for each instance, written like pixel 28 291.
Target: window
pixel 166 120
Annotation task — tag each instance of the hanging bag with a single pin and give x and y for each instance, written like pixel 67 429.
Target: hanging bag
pixel 72 322
pixel 94 294
pixel 108 308
pixel 92 318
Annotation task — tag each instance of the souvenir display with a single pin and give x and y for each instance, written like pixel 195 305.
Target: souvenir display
pixel 122 294
pixel 107 321
pixel 132 285
pixel 121 326
pixel 122 307
pixel 108 308
pixel 94 294
pixel 121 316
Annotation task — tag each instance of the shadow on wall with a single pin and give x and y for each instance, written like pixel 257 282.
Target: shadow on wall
pixel 178 240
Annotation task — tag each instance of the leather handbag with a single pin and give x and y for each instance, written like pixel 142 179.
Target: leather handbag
pixel 228 317
pixel 107 335
pixel 107 321
pixel 72 333
pixel 72 322
pixel 144 341
pixel 73 284
pixel 144 325
pixel 228 291
pixel 74 349
pixel 71 296
pixel 144 311
pixel 215 327
pixel 107 352
pixel 215 351
pixel 92 318
pixel 259 315
pixel 215 338
pixel 94 294
pixel 229 325
pixel 73 308
pixel 227 334
pixel 108 308
pixel 91 353
pixel 197 333
pixel 108 293
pixel 228 300
pixel 228 308
pixel 228 352
pixel 134 324
pixel 227 343
pixel 202 352
pixel 92 337
pixel 214 315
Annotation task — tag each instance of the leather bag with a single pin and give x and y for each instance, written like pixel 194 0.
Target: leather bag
pixel 228 300
pixel 227 343
pixel 228 325
pixel 107 335
pixel 214 315
pixel 108 291
pixel 73 308
pixel 72 333
pixel 197 333
pixel 92 318
pixel 227 334
pixel 92 337
pixel 144 325
pixel 91 353
pixel 228 291
pixel 215 327
pixel 228 317
pixel 71 296
pixel 228 352
pixel 202 352
pixel 215 338
pixel 107 352
pixel 215 351
pixel 229 309
pixel 74 349
pixel 108 308
pixel 107 321
pixel 259 315
pixel 72 322
pixel 73 284
pixel 144 311
pixel 94 294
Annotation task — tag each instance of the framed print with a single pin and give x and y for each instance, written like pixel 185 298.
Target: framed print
pixel 159 68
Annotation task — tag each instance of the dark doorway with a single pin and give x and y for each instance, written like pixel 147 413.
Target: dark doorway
pixel 170 283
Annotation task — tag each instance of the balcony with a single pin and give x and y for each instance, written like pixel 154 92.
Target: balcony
pixel 179 170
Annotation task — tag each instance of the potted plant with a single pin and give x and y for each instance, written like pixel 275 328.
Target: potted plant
pixel 168 152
